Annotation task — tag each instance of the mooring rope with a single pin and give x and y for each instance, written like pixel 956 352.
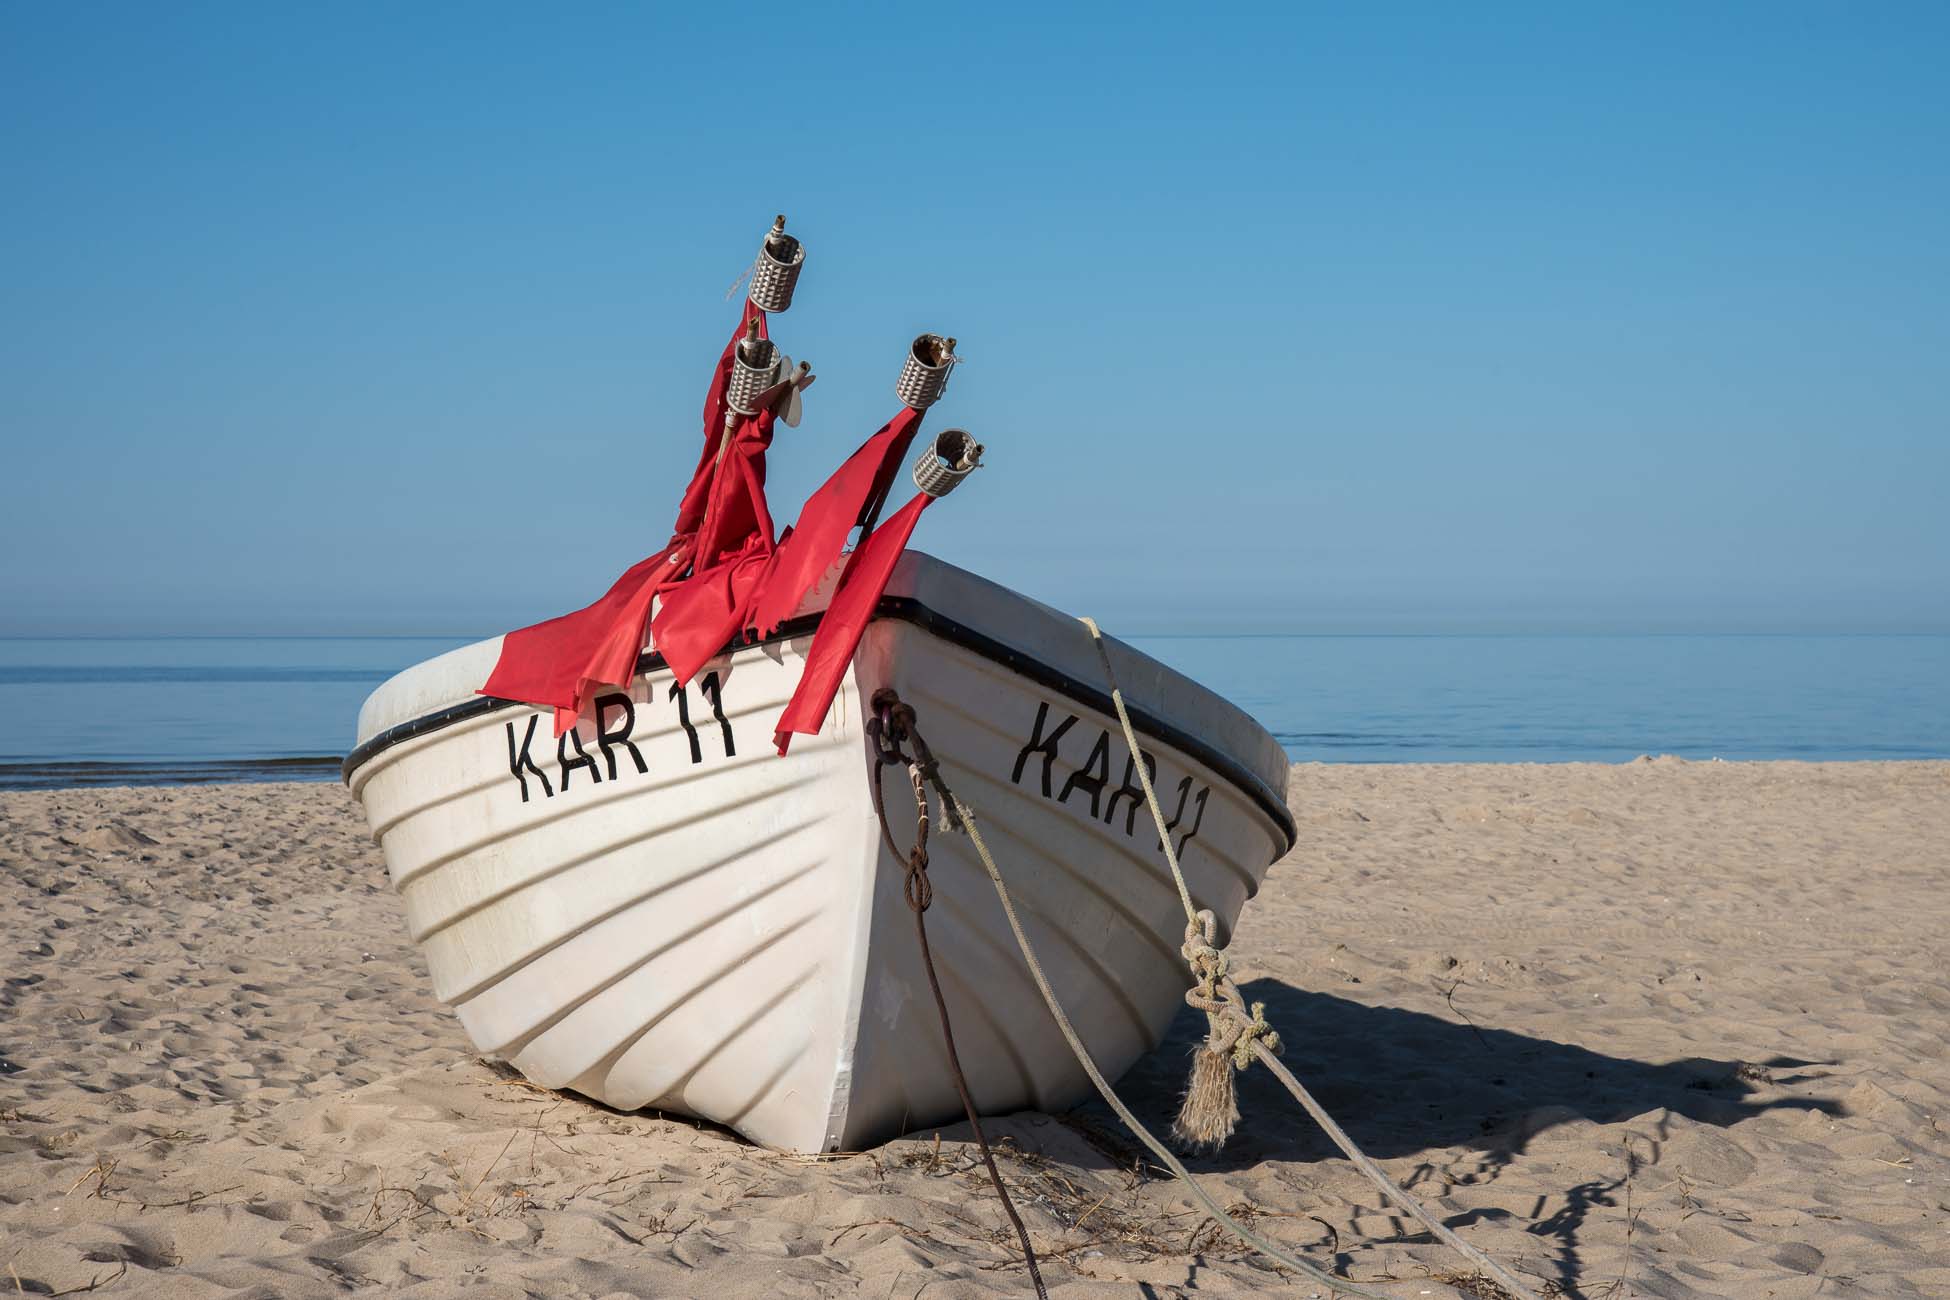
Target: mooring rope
pixel 1232 1031
pixel 892 723
pixel 1235 1033
pixel 1240 1034
pixel 962 818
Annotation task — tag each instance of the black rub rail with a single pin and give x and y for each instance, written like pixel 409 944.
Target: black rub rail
pixel 907 610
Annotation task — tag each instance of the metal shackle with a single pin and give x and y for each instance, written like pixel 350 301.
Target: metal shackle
pixel 776 272
pixel 924 375
pixel 951 457
pixel 754 368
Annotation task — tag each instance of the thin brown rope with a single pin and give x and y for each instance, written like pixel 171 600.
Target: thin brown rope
pixel 1236 1037
pixel 890 727
pixel 1247 1033
pixel 960 817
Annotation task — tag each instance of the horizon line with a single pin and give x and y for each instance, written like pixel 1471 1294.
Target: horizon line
pixel 1228 635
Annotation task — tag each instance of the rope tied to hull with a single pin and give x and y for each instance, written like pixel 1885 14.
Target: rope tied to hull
pixel 1237 1033
pixel 894 718
pixel 890 729
pixel 916 888
pixel 1234 1026
pixel 1209 1111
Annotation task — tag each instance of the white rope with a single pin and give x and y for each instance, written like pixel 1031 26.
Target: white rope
pixel 1143 773
pixel 1260 1049
pixel 960 817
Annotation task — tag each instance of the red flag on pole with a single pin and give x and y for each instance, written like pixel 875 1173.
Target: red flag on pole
pixel 723 574
pixel 564 662
pixel 690 511
pixel 827 518
pixel 845 622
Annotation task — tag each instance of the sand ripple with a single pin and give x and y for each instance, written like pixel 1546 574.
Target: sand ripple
pixel 1660 1029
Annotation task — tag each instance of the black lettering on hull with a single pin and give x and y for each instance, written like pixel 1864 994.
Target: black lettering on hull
pixel 713 690
pixel 609 739
pixel 614 752
pixel 1038 743
pixel 683 698
pixel 520 762
pixel 1092 780
pixel 581 760
pixel 1198 820
pixel 1131 790
pixel 1092 777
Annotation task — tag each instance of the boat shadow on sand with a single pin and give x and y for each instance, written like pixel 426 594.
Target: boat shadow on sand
pixel 1405 1082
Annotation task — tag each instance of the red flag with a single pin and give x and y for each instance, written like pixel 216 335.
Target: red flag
pixel 737 508
pixel 722 574
pixel 846 621
pixel 827 517
pixel 563 662
pixel 690 511
pixel 713 605
pixel 699 618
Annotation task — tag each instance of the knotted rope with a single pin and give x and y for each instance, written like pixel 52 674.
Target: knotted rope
pixel 1234 1030
pixel 891 727
pixel 1210 1110
pixel 1236 1036
pixel 889 709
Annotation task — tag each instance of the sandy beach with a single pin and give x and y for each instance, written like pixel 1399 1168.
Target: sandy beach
pixel 1656 1029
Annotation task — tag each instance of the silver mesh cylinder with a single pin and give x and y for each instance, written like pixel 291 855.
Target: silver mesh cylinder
pixel 950 458
pixel 776 272
pixel 924 375
pixel 754 368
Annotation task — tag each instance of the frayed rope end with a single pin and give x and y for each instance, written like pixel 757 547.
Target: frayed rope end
pixel 1210 1111
pixel 1211 1108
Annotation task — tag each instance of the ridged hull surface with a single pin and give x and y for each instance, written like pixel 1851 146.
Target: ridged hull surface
pixel 681 936
pixel 1080 852
pixel 675 917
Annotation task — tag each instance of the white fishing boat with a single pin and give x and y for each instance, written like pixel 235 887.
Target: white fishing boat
pixel 656 909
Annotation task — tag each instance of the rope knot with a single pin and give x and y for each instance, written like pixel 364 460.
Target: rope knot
pixel 1202 953
pixel 1211 1108
pixel 1253 1030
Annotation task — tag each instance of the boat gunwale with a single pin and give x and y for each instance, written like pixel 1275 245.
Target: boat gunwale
pixel 905 609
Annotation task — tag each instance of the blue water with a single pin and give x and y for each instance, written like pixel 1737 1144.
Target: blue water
pixel 184 709
pixel 81 711
pixel 1548 699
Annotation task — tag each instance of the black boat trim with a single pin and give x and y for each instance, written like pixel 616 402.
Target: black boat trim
pixel 908 610
pixel 481 705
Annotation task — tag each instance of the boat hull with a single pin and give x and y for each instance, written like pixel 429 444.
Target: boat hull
pixel 659 911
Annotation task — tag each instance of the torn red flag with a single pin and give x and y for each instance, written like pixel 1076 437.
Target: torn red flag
pixel 707 612
pixel 737 510
pixel 827 518
pixel 563 663
pixel 845 622
pixel 722 576
pixel 691 510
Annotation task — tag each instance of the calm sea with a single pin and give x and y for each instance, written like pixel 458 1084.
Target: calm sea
pixel 98 711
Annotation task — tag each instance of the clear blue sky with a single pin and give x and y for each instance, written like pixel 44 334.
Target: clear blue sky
pixel 364 318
